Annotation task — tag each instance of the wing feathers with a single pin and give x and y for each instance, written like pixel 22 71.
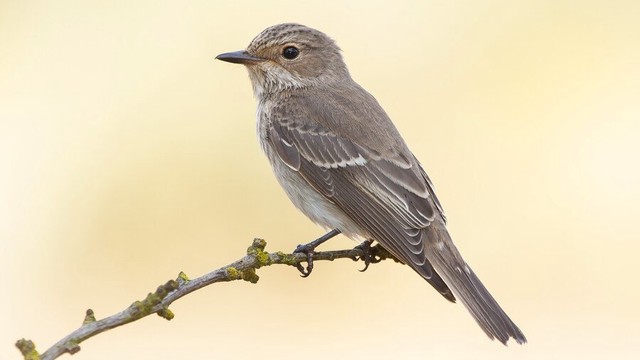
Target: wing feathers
pixel 287 152
pixel 362 207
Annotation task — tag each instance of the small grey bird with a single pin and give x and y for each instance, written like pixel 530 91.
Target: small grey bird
pixel 343 163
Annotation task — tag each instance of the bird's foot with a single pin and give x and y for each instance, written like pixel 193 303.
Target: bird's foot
pixel 369 254
pixel 309 250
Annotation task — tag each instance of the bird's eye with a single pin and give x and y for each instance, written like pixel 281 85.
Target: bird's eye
pixel 290 52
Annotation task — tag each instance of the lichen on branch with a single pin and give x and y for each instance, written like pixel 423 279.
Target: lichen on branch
pixel 158 302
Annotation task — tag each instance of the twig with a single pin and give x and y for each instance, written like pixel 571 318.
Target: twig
pixel 158 302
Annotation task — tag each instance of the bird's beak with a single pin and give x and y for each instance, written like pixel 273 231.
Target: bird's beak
pixel 239 57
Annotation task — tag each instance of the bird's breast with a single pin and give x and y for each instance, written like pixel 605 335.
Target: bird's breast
pixel 307 199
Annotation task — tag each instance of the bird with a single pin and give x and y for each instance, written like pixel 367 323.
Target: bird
pixel 343 163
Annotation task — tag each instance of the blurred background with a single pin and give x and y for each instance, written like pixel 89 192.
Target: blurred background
pixel 127 154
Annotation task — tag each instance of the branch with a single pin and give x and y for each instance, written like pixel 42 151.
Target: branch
pixel 158 302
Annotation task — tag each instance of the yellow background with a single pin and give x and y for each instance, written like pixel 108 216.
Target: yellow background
pixel 128 154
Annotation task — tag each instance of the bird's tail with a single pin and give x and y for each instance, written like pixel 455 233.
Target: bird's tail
pixel 466 286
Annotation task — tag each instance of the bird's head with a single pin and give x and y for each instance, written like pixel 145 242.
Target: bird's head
pixel 289 56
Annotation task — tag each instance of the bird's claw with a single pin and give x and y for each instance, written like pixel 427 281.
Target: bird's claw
pixel 308 250
pixel 369 254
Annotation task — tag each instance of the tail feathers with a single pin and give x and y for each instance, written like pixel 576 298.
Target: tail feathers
pixel 466 286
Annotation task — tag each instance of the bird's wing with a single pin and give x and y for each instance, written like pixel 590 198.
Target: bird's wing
pixel 384 193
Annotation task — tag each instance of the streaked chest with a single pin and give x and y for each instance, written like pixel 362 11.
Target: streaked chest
pixel 263 119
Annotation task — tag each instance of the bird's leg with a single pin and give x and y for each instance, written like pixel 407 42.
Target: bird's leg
pixel 309 250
